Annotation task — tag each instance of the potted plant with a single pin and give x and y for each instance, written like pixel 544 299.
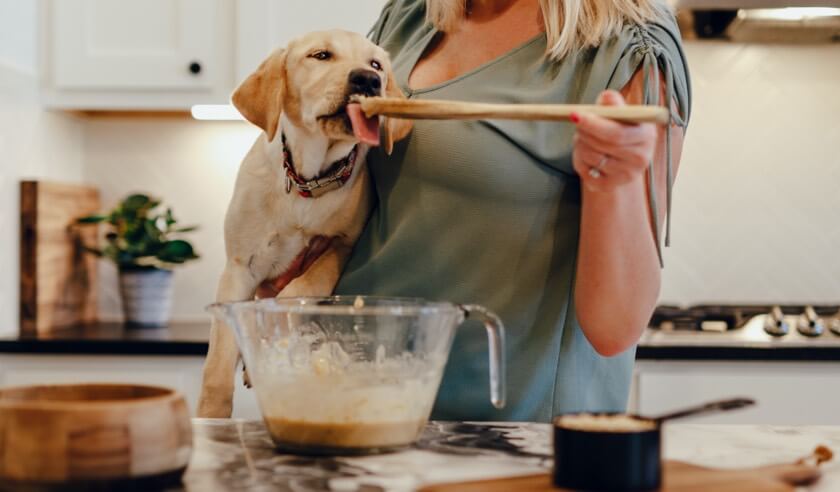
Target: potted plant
pixel 144 242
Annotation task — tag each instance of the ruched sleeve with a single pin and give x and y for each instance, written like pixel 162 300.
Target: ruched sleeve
pixel 656 50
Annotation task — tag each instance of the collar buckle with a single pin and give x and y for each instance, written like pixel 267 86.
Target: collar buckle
pixel 336 176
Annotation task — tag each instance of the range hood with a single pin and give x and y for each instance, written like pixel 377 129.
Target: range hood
pixel 808 21
pixel 752 4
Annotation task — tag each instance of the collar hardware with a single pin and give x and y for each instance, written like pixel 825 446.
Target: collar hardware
pixel 334 178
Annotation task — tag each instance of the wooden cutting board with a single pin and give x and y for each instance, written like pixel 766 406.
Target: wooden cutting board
pixel 677 477
pixel 57 278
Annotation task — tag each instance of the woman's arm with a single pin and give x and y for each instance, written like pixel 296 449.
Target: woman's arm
pixel 618 272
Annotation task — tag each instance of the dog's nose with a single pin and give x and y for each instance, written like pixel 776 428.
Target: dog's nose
pixel 364 82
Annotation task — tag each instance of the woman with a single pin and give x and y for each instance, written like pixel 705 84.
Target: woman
pixel 551 225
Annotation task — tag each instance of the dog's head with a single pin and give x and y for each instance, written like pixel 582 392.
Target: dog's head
pixel 312 80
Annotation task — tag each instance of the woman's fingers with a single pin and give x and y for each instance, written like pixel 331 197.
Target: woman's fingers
pixel 610 98
pixel 619 153
pixel 612 132
pixel 612 171
pixel 637 155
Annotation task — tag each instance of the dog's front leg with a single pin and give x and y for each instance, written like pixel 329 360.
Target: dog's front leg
pixel 320 278
pixel 216 400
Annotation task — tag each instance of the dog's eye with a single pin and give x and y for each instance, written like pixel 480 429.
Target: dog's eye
pixel 376 65
pixel 321 55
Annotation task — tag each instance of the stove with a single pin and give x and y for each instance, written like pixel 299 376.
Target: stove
pixel 757 326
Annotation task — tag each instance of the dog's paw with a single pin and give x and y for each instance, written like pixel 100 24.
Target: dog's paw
pixel 246 379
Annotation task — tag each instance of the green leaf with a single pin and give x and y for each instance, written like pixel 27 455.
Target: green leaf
pixel 92 219
pixel 176 251
pixel 133 203
pixel 151 229
pixel 137 236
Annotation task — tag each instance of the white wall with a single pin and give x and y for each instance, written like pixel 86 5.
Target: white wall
pixel 33 144
pixel 191 165
pixel 18 46
pixel 757 203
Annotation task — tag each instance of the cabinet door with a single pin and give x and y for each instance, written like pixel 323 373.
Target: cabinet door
pixel 787 393
pixel 263 25
pixel 131 44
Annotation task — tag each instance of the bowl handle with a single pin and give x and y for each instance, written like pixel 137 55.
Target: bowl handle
pixel 496 344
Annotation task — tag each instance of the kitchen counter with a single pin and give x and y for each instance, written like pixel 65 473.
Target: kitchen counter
pixel 114 339
pixel 190 338
pixel 238 455
pixel 749 343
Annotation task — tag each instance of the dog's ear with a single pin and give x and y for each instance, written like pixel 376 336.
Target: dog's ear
pixel 260 97
pixel 394 129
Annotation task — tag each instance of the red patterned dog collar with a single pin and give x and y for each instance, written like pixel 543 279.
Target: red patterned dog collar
pixel 335 176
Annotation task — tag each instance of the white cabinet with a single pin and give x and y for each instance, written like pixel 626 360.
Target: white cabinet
pixel 263 25
pixel 182 373
pixel 786 392
pixel 130 54
pixel 126 44
pixel 172 54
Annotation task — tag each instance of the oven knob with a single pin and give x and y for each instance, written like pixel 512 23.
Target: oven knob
pixel 810 324
pixel 835 325
pixel 775 324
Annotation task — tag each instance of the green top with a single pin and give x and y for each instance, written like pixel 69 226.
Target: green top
pixel 488 212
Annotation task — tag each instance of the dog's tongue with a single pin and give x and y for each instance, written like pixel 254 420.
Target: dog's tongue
pixel 366 129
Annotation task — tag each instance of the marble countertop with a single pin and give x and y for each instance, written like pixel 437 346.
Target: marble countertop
pixel 238 455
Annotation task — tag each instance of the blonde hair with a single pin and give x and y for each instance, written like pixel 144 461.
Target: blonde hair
pixel 570 25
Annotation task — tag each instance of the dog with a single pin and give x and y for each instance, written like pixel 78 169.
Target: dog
pixel 302 194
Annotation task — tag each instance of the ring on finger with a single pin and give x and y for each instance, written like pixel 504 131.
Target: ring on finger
pixel 595 172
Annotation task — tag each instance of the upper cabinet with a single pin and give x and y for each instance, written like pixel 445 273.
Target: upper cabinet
pixel 172 54
pixel 264 25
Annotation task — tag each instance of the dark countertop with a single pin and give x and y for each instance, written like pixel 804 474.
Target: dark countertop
pixel 190 338
pixel 114 339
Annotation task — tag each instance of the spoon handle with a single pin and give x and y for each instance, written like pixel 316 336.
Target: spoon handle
pixel 444 110
pixel 715 406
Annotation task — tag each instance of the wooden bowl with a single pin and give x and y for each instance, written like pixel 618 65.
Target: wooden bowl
pixel 92 436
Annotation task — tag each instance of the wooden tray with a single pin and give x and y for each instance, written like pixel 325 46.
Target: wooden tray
pixel 57 278
pixel 677 477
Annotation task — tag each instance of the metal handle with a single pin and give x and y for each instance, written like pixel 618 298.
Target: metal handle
pixel 716 406
pixel 496 344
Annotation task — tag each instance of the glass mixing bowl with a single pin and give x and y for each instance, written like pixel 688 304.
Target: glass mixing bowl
pixel 346 375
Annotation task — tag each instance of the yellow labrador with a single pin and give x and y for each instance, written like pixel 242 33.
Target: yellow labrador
pixel 302 194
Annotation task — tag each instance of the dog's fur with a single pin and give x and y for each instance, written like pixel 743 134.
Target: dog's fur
pixel 271 233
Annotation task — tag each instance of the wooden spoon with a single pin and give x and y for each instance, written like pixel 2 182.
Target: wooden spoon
pixel 429 109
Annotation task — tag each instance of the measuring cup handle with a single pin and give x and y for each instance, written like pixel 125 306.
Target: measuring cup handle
pixel 496 344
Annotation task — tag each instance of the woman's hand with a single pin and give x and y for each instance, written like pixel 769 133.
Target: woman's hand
pixel 608 154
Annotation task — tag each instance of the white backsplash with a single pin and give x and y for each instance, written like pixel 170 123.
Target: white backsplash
pixel 192 166
pixel 33 144
pixel 756 214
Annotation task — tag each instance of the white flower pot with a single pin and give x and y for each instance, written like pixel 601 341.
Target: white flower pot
pixel 146 297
